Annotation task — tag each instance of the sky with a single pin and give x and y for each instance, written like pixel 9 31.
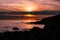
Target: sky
pixel 34 5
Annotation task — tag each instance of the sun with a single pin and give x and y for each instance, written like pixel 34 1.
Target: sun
pixel 29 9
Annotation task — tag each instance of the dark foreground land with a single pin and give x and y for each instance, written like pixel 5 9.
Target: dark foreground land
pixel 51 31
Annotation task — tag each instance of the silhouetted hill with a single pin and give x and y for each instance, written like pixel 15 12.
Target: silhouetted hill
pixel 46 12
pixel 52 27
pixel 11 16
pixel 50 21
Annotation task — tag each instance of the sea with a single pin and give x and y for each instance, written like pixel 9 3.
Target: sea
pixel 21 24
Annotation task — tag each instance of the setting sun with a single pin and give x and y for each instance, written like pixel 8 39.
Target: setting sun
pixel 30 8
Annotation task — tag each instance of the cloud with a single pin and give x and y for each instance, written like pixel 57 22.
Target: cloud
pixel 18 4
pixel 57 0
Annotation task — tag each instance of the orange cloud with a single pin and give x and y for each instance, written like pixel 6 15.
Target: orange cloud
pixel 29 5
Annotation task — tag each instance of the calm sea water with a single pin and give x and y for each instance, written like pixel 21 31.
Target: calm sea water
pixel 21 24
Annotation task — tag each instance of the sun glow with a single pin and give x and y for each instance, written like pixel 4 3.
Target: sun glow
pixel 30 8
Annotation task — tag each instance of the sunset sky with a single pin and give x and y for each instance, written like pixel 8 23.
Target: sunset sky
pixel 29 5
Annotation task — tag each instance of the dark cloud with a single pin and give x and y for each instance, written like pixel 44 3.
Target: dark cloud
pixel 57 0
